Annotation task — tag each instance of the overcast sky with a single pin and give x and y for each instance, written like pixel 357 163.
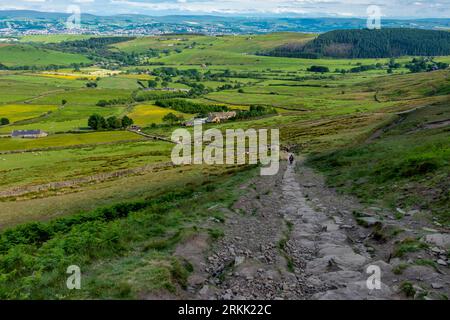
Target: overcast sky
pixel 315 8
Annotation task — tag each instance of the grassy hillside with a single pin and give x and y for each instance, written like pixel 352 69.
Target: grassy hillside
pixel 66 140
pixel 24 55
pixel 240 44
pixel 406 165
pixel 53 38
pixel 145 232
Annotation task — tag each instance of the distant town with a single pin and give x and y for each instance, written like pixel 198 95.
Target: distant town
pixel 15 23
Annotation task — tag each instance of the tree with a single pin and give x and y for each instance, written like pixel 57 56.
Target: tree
pixel 126 122
pixel 171 119
pixel 152 84
pixel 91 84
pixel 97 122
pixel 102 103
pixel 63 102
pixel 164 84
pixel 4 121
pixel 393 64
pixel 114 122
pixel 320 69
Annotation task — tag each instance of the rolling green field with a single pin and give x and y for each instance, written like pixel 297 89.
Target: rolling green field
pixel 71 163
pixel 53 38
pixel 70 117
pixel 145 115
pixel 82 96
pixel 239 43
pixel 66 140
pixel 24 55
pixel 17 112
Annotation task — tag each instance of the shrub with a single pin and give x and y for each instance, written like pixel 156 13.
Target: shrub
pixel 189 107
pixel 114 123
pixel 97 122
pixel 172 119
pixel 320 69
pixel 126 122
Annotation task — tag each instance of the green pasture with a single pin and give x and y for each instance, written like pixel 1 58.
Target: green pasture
pixel 25 55
pixel 70 117
pixel 145 115
pixel 67 164
pixel 53 38
pixel 18 112
pixel 67 140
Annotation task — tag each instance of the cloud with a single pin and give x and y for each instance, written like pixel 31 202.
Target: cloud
pixel 83 1
pixel 316 8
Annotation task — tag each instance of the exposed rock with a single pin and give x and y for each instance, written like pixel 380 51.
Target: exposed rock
pixel 439 239
pixel 437 285
pixel 429 229
pixel 356 291
pixel 238 261
pixel 441 262
pixel 204 290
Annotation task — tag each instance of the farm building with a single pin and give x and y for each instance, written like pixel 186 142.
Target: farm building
pixel 134 127
pixel 217 117
pixel 28 134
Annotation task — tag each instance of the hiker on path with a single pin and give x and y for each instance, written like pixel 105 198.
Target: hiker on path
pixel 291 159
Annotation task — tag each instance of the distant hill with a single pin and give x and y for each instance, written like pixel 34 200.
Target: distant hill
pixel 18 22
pixel 366 43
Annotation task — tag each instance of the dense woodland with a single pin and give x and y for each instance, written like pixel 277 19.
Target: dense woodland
pixel 189 107
pixel 366 43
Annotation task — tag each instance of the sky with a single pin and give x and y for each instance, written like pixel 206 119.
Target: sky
pixel 305 8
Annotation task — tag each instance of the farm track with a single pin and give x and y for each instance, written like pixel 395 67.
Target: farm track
pixel 48 93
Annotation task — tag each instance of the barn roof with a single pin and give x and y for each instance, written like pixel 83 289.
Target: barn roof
pixel 16 133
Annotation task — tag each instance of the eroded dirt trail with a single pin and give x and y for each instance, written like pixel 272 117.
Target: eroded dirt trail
pixel 333 266
pixel 291 237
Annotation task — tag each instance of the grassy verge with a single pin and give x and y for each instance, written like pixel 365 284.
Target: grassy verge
pixel 124 251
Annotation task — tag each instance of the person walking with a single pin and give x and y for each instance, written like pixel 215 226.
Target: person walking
pixel 291 159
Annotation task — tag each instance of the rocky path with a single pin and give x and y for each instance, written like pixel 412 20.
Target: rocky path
pixel 291 237
pixel 333 265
